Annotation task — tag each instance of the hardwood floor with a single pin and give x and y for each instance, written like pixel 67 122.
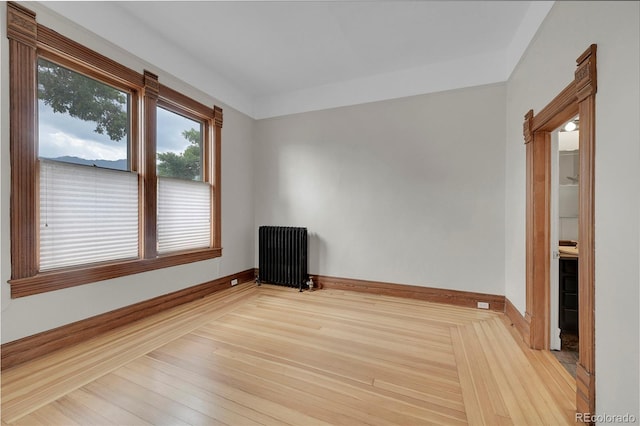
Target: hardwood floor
pixel 271 355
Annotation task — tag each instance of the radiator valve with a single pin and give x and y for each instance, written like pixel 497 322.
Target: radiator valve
pixel 310 283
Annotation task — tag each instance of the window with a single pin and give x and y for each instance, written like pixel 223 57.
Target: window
pixel 81 120
pixel 88 213
pixel 101 187
pixel 184 215
pixel 184 195
pixel 179 146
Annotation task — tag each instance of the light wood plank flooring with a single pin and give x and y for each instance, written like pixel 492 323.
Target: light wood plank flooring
pixel 270 355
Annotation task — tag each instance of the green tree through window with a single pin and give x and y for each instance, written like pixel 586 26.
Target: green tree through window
pixel 81 97
pixel 186 165
pixel 69 92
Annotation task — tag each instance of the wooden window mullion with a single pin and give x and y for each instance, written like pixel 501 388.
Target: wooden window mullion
pixel 216 210
pixel 150 187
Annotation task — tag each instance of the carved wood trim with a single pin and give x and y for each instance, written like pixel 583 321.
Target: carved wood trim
pixel 151 85
pixel 585 75
pixel 21 30
pixel 577 98
pixel 21 24
pixel 540 236
pixel 527 127
pixel 217 116
pixel 529 246
pixel 31 347
pixel 586 238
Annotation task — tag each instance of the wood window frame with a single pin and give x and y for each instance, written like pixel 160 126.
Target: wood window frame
pixel 211 118
pixel 29 40
pixel 578 98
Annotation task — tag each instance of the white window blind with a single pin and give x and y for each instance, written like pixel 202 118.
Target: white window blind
pixel 87 215
pixel 184 215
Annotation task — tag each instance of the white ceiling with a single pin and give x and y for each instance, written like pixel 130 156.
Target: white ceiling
pixel 271 58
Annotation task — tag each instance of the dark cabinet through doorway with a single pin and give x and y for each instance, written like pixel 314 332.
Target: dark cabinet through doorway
pixel 568 318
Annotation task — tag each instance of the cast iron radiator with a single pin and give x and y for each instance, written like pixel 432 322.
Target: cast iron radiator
pixel 282 256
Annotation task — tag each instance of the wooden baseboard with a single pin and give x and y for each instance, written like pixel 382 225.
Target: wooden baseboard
pixel 517 320
pixel 585 390
pixel 31 347
pixel 439 295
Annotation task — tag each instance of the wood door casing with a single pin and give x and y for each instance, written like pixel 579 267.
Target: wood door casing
pixel 578 98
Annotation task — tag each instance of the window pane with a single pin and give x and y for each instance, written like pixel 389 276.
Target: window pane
pixel 87 215
pixel 81 120
pixel 184 215
pixel 179 146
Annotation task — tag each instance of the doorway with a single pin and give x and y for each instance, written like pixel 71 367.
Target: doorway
pixel 564 307
pixel 577 99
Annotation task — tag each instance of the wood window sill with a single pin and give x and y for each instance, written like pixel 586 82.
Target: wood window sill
pixel 56 280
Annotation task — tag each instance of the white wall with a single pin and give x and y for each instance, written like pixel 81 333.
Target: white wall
pixel 406 191
pixel 28 315
pixel 546 68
